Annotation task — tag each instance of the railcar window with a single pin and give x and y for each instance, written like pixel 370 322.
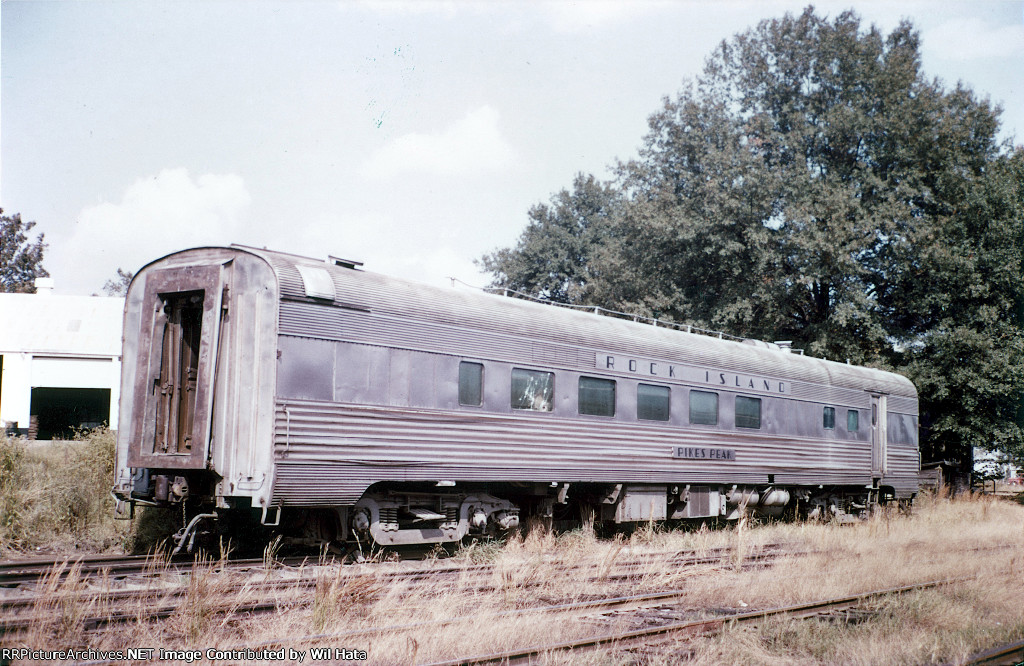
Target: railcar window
pixel 533 389
pixel 652 402
pixel 852 420
pixel 471 383
pixel 748 412
pixel 597 396
pixel 828 418
pixel 703 408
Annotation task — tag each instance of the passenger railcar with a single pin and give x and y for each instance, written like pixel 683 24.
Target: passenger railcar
pixel 339 404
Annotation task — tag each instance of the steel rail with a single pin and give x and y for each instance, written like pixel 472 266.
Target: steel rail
pixel 22 571
pixel 578 606
pixel 14 624
pixel 691 628
pixel 1011 654
pixel 589 605
pixel 17 572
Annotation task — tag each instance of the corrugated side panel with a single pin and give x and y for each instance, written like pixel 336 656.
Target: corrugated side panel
pixel 328 453
pixel 902 405
pixel 904 467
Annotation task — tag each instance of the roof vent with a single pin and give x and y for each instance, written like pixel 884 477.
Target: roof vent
pixel 317 281
pixel 785 345
pixel 344 263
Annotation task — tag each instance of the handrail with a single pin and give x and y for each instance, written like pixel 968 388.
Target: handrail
pixel 597 309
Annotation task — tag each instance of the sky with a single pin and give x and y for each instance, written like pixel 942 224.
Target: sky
pixel 411 136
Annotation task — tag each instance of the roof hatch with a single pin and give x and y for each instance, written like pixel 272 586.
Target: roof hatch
pixel 317 281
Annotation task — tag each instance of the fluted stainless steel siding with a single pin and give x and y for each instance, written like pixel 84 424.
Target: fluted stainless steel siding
pixel 329 453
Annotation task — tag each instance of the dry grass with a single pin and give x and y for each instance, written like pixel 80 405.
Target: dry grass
pixel 56 497
pixel 982 537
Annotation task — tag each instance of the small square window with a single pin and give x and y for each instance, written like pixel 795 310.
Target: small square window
pixel 828 418
pixel 597 396
pixel 652 402
pixel 471 383
pixel 533 390
pixel 852 420
pixel 748 412
pixel 703 408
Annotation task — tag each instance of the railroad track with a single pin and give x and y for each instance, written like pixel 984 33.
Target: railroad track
pixel 1011 654
pixel 677 627
pixel 20 572
pixel 29 570
pixel 23 612
pixel 17 572
pixel 688 629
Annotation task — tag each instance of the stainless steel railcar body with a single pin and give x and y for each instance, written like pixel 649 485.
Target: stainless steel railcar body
pixel 262 380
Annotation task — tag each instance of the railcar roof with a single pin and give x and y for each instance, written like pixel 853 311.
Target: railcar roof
pixel 467 307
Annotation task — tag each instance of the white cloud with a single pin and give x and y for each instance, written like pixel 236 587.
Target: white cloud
pixel 582 15
pixel 563 16
pixel 466 147
pixel 403 7
pixel 966 39
pixel 428 264
pixel 157 215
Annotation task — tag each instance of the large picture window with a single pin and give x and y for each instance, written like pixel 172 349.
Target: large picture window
pixel 748 412
pixel 703 408
pixel 471 383
pixel 597 396
pixel 652 402
pixel 533 390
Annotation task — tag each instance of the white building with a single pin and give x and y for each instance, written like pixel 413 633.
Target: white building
pixel 994 465
pixel 60 361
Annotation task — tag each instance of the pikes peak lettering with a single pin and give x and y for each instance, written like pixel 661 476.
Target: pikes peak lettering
pixel 703 453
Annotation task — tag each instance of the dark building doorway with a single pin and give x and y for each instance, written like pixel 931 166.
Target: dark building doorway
pixel 59 412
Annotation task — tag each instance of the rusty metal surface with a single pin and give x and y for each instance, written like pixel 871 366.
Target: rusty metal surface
pixel 173 373
pixel 232 425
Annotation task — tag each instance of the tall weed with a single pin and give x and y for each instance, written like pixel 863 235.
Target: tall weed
pixel 57 496
pixel 12 456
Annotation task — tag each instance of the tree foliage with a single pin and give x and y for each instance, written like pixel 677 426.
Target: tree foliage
pixel 554 258
pixel 21 261
pixel 813 184
pixel 118 286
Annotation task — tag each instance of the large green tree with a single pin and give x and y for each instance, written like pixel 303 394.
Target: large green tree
pixel 813 184
pixel 959 306
pixel 21 261
pixel 554 258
